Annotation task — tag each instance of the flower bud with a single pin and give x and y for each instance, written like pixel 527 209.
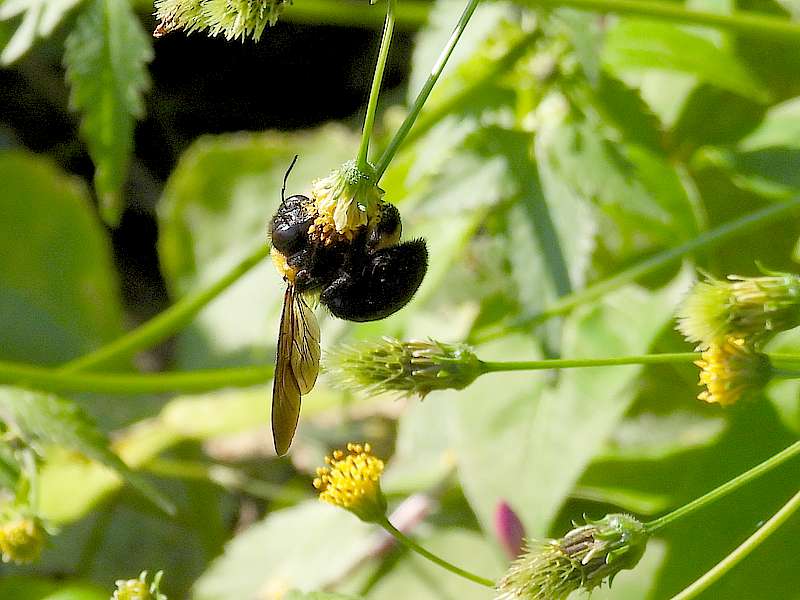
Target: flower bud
pixel 754 308
pixel 232 18
pixel 583 559
pixel 22 539
pixel 139 589
pixel 413 367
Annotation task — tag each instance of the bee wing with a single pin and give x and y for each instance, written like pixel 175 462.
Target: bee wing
pixel 296 367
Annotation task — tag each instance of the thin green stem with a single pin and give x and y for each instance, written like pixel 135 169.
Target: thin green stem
pixel 750 544
pixel 785 373
pixel 166 323
pixel 571 363
pixel 725 488
pixel 744 23
pixel 704 241
pixel 412 545
pixel 52 380
pixel 377 80
pixel 438 67
pixel 224 476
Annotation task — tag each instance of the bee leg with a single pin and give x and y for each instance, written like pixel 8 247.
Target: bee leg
pixel 381 286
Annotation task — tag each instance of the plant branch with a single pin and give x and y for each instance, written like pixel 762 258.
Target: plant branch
pixel 412 545
pixel 750 544
pixel 571 363
pixel 166 323
pixel 375 91
pixel 438 67
pixel 53 380
pixel 704 241
pixel 744 23
pixel 725 488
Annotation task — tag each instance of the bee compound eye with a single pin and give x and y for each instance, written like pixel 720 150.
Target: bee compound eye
pixel 289 227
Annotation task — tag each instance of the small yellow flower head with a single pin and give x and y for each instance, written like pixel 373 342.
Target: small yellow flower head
pixel 754 308
pixel 352 480
pixel 413 367
pixel 231 18
pixel 583 559
pixel 731 370
pixel 139 589
pixel 22 539
pixel 345 201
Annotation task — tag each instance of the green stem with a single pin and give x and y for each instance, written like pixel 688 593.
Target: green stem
pixel 438 67
pixel 52 380
pixel 725 488
pixel 744 23
pixel 410 14
pixel 785 373
pixel 166 323
pixel 224 476
pixel 377 80
pixel 571 363
pixel 412 545
pixel 705 240
pixel 750 544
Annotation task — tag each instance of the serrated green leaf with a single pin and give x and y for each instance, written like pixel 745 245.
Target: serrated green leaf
pixel 635 45
pixel 45 420
pixel 39 20
pixel 106 58
pixel 58 297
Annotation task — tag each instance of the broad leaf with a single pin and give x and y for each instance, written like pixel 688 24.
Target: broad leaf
pixel 106 58
pixel 58 296
pixel 527 443
pixel 39 20
pixel 45 420
pixel 636 45
pixel 307 547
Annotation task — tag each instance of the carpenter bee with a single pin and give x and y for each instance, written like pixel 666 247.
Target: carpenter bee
pixel 365 275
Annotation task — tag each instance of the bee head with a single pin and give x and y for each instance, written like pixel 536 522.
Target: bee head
pixel 386 231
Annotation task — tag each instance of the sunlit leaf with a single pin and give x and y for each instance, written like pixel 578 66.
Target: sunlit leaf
pixel 39 18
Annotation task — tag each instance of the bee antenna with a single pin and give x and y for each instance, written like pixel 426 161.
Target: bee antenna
pixel 286 176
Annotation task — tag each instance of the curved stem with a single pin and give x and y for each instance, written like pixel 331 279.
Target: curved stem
pixel 750 544
pixel 744 23
pixel 703 241
pixel 725 488
pixel 377 80
pixel 51 380
pixel 419 102
pixel 571 363
pixel 412 545
pixel 166 323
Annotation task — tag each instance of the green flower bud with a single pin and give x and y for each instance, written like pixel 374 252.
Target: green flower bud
pixel 413 367
pixel 583 559
pixel 231 18
pixel 139 589
pixel 22 539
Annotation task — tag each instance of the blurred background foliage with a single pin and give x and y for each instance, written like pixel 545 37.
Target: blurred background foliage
pixel 559 148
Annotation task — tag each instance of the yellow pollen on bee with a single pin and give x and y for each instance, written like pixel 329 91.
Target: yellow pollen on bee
pixel 283 268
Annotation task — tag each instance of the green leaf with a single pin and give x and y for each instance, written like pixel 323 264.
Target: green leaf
pixel 58 297
pixel 529 444
pixel 39 19
pixel 309 546
pixel 45 420
pixel 635 45
pixel 106 58
pixel 36 588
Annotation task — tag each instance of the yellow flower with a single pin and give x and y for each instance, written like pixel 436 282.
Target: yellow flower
pixel 585 558
pixel 754 308
pixel 412 367
pixel 345 200
pixel 139 589
pixel 731 370
pixel 352 480
pixel 22 539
